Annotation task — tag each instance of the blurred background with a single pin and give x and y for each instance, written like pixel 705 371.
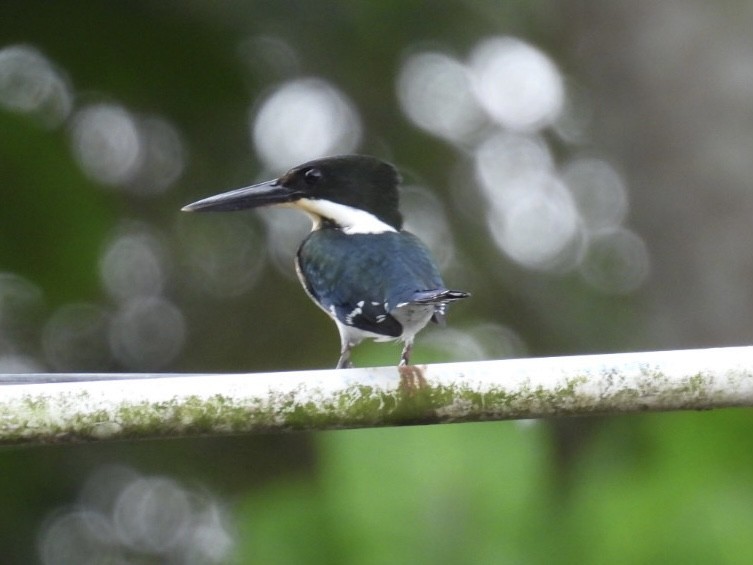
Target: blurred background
pixel 584 169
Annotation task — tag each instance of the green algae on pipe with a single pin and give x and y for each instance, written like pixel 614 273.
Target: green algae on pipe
pixel 98 407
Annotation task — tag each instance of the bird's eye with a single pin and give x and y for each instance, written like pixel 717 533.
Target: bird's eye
pixel 312 176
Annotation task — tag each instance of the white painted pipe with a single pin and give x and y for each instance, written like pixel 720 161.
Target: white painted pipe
pixel 118 406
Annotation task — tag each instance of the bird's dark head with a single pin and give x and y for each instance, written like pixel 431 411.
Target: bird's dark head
pixel 355 192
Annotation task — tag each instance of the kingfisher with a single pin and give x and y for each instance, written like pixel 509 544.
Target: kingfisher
pixel 373 278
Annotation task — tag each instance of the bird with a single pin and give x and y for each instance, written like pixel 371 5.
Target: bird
pixel 373 278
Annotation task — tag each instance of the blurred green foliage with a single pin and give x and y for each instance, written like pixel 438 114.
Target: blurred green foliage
pixel 37 209
pixel 648 489
pixel 655 488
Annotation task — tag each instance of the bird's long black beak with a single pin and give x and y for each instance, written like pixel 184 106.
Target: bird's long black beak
pixel 262 194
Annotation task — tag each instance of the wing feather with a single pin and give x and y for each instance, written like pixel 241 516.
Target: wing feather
pixel 362 278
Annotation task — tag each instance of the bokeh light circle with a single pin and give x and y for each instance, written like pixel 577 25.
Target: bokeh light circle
pixel 147 333
pixel 617 261
pixel 132 265
pixel 517 84
pixel 30 84
pixel 539 227
pixel 434 91
pixel 598 190
pixel 75 338
pixel 302 120
pixel 152 514
pixel 107 143
pixel 504 157
pixel 224 258
pixel 425 217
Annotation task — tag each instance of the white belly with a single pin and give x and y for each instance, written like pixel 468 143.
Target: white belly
pixel 413 318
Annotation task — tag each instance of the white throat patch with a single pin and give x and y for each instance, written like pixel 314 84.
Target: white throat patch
pixel 351 220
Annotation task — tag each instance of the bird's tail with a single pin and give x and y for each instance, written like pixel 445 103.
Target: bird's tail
pixel 440 299
pixel 440 296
